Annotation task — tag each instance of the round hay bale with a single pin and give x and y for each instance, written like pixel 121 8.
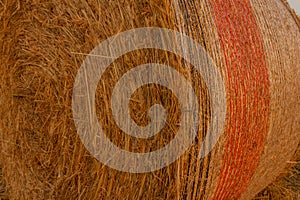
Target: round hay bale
pixel 255 46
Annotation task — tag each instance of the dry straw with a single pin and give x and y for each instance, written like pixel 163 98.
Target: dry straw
pixel 255 45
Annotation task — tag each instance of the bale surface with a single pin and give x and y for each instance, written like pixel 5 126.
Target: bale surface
pixel 255 45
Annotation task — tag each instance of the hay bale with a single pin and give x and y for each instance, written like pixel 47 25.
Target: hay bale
pixel 44 43
pixel 286 185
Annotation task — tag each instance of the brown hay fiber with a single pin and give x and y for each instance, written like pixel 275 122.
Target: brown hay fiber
pixel 44 43
pixel 286 186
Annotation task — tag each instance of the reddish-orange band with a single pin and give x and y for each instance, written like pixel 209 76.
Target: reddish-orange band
pixel 248 95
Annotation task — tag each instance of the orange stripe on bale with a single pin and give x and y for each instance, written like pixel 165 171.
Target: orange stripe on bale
pixel 247 93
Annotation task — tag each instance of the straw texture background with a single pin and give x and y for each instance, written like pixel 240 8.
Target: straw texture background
pixel 256 46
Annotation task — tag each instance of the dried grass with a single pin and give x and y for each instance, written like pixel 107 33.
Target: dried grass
pixel 285 187
pixel 3 194
pixel 42 45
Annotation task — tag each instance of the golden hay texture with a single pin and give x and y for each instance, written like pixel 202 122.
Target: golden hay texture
pixel 286 186
pixel 44 43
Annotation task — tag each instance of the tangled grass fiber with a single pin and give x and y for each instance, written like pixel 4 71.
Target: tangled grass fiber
pixel 43 44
